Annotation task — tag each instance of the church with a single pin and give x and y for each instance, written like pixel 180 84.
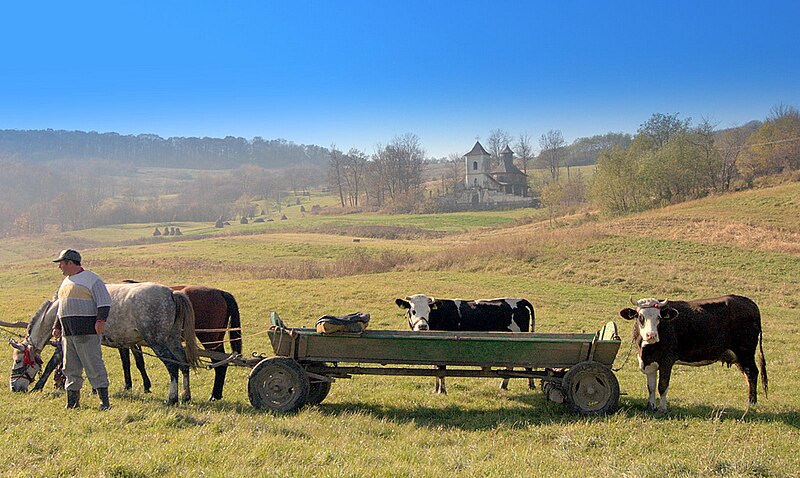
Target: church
pixel 505 186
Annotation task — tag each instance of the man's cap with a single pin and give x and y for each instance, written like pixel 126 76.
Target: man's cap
pixel 68 255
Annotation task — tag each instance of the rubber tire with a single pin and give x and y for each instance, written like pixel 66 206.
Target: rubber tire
pixel 279 384
pixel 317 392
pixel 591 388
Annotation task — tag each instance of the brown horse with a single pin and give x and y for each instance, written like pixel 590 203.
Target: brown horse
pixel 212 309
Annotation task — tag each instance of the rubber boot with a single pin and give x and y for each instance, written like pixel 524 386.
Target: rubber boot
pixel 103 394
pixel 73 399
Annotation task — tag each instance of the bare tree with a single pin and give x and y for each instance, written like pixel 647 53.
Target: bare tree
pixel 498 139
pixel 336 172
pixel 552 146
pixel 355 166
pixel 524 150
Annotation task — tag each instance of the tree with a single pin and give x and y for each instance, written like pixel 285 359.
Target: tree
pixel 552 145
pixel 775 146
pixel 615 185
pixel 660 128
pixel 336 172
pixel 497 141
pixel 355 167
pixel 729 145
pixel 524 150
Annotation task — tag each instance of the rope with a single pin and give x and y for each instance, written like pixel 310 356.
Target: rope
pixel 5 333
pixel 627 356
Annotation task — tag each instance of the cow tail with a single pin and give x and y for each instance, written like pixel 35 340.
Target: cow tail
pixel 527 305
pixel 184 314
pixel 235 332
pixel 763 363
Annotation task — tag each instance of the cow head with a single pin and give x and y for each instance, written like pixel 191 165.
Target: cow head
pixel 419 310
pixel 648 314
pixel 26 364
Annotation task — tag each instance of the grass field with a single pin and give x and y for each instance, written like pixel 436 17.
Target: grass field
pixel 578 276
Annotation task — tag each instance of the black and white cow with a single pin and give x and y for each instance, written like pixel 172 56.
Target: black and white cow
pixel 489 315
pixel 698 332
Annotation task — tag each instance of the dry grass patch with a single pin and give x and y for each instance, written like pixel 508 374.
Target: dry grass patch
pixel 722 232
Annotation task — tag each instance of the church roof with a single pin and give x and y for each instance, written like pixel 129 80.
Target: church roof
pixel 509 166
pixel 478 150
pixel 506 150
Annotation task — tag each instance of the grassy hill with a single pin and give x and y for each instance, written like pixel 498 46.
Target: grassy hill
pixel 577 276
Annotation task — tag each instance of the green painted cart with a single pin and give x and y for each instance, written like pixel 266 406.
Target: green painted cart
pixel 574 369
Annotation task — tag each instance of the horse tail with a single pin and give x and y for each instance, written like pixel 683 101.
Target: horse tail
pixel 763 363
pixel 235 334
pixel 184 314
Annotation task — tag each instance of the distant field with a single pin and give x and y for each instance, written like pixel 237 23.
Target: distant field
pixel 578 276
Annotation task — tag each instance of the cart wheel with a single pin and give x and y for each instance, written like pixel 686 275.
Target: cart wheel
pixel 317 392
pixel 591 388
pixel 279 384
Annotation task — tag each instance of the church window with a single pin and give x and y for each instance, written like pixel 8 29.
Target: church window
pixel 474 165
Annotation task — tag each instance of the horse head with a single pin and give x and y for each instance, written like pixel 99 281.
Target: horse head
pixel 26 357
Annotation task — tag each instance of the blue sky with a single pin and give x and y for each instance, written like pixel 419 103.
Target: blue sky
pixel 358 73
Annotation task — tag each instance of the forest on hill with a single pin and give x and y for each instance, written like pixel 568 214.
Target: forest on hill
pixel 43 146
pixel 63 181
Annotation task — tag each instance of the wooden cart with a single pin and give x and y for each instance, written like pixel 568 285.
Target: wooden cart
pixel 574 368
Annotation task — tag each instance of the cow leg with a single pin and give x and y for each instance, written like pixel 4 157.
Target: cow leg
pixel 138 358
pixel 531 383
pixel 747 365
pixel 664 374
pixel 504 382
pixel 650 371
pixel 125 358
pixel 440 385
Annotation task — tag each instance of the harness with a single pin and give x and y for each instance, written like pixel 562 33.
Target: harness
pixel 29 362
pixel 415 322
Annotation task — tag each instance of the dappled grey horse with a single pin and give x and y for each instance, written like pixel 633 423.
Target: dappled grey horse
pixel 145 313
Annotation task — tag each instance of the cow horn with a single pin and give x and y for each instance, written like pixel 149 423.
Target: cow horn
pixel 663 303
pixel 633 302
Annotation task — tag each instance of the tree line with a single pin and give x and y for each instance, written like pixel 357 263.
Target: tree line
pixel 44 146
pixel 670 160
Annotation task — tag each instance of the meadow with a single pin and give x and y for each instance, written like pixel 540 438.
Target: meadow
pixel 578 274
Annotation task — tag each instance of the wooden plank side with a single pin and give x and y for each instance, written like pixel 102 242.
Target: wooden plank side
pixel 443 348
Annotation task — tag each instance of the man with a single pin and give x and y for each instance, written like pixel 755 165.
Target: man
pixel 83 306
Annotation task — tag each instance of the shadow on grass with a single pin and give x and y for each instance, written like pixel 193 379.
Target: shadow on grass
pixel 637 408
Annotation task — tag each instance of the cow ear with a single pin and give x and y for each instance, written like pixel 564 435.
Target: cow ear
pixel 433 306
pixel 668 313
pixel 628 313
pixel 402 304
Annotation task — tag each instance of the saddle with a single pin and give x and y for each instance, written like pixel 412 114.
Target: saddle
pixel 354 323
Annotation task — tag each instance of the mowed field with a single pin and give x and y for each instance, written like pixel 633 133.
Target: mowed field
pixel 578 276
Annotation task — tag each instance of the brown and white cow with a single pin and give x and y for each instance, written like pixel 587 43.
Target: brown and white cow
pixel 489 315
pixel 698 332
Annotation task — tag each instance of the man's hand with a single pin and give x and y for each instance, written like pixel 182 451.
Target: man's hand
pixel 100 327
pixel 56 334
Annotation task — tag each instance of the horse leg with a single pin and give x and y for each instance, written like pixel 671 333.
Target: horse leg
pixel 125 358
pixel 138 358
pixel 55 361
pixel 219 378
pixel 165 355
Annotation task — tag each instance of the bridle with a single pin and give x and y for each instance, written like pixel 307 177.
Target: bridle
pixel 413 323
pixel 30 361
